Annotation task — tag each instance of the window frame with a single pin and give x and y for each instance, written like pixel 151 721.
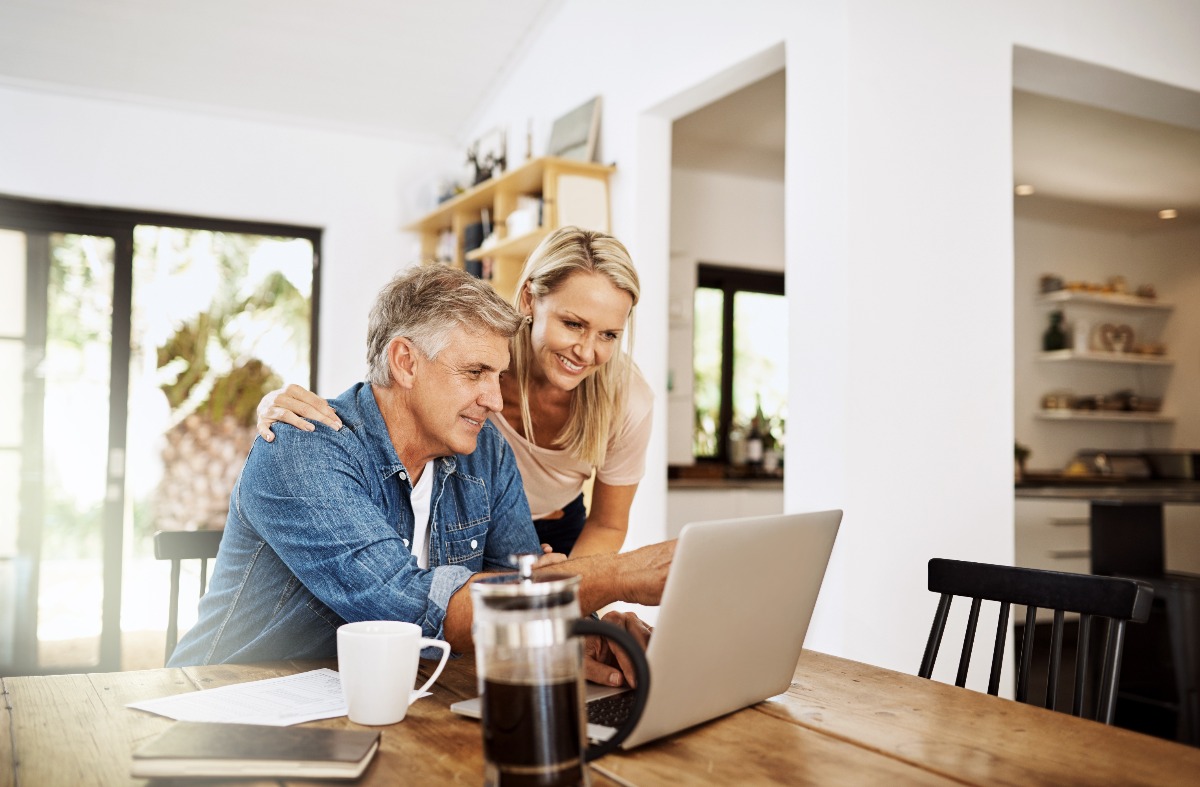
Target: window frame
pixel 731 280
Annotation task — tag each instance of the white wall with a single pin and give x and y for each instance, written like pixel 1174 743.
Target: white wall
pixel 898 249
pixel 358 189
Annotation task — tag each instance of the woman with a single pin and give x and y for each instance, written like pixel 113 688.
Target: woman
pixel 574 403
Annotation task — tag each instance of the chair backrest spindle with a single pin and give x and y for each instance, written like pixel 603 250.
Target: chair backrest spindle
pixel 1082 649
pixel 998 651
pixel 964 661
pixel 1026 662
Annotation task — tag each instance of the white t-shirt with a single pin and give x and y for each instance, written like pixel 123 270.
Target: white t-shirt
pixel 553 478
pixel 421 495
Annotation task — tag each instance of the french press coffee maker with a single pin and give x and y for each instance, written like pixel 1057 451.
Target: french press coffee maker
pixel 529 659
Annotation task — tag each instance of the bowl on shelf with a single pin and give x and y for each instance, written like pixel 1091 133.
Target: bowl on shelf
pixel 1058 400
pixel 1145 404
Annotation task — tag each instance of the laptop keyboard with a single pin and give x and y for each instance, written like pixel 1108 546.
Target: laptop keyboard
pixel 611 711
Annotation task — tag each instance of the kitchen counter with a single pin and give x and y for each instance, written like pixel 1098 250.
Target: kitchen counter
pixel 1155 492
pixel 724 483
pixel 1125 518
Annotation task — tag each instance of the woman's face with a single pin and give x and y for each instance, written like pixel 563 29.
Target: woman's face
pixel 577 328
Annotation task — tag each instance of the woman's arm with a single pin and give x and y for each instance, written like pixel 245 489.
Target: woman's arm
pixel 293 405
pixel 607 522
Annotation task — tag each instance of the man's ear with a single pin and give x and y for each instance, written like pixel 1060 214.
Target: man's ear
pixel 402 361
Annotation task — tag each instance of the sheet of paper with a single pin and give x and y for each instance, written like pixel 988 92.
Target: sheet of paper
pixel 277 702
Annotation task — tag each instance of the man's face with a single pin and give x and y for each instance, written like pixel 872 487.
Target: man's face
pixel 453 394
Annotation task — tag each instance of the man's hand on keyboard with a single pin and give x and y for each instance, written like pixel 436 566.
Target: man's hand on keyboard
pixel 607 664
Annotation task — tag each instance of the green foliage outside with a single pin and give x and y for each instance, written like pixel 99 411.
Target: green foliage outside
pixel 210 365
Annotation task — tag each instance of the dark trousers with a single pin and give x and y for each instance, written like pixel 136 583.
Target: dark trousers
pixel 562 533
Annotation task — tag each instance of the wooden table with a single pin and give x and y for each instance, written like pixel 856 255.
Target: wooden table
pixel 840 722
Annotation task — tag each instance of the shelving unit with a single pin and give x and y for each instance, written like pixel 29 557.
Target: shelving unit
pixel 570 191
pixel 1146 314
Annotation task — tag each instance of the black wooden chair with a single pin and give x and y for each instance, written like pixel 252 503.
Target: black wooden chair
pixel 177 546
pixel 1114 600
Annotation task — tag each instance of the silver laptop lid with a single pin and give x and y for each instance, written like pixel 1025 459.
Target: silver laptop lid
pixel 734 613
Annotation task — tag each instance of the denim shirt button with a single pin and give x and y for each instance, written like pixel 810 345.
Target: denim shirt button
pixel 403 477
pixel 405 540
pixel 474 543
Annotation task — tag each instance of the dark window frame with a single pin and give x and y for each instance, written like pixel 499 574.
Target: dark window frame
pixel 731 280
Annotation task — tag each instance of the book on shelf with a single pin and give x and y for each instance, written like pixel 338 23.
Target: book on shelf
pixel 217 750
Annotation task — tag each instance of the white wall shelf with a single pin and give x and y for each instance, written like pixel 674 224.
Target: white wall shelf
pixel 1106 300
pixel 1097 356
pixel 1094 416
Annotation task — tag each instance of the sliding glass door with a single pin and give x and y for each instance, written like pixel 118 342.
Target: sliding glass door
pixel 181 322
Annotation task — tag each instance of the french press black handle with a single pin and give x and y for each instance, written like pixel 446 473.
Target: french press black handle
pixel 641 670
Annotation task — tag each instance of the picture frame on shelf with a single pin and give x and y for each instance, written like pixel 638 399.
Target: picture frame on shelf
pixel 488 155
pixel 574 134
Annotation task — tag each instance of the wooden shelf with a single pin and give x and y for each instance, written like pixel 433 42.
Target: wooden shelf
pixel 1103 416
pixel 1096 356
pixel 500 197
pixel 519 246
pixel 1103 299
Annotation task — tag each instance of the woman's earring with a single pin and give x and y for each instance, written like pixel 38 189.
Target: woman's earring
pixel 528 319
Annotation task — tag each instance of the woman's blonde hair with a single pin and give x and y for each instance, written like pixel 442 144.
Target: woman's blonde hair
pixel 600 398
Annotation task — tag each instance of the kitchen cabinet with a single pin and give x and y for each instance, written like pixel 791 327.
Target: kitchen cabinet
pixel 563 191
pixel 724 501
pixel 1114 340
pixel 1051 535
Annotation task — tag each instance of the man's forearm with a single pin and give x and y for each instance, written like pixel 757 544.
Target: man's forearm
pixel 599 580
pixel 456 626
pixel 598 587
pixel 637 577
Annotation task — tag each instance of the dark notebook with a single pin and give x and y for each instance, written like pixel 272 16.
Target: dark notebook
pixel 213 750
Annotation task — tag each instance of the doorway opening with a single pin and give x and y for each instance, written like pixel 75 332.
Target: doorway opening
pixel 726 186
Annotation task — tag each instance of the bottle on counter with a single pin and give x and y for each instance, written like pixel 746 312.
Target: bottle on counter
pixel 756 438
pixel 737 446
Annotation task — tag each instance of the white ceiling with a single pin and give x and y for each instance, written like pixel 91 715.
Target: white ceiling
pixel 742 133
pixel 419 70
pixel 409 69
pixel 1073 152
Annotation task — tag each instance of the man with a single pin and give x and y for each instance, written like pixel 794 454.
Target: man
pixel 393 515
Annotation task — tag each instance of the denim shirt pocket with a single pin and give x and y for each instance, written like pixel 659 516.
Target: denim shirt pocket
pixel 464 516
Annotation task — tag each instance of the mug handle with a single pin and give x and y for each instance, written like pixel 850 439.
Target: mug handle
pixel 641 669
pixel 445 648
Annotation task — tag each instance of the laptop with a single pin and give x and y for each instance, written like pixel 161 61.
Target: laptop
pixel 734 613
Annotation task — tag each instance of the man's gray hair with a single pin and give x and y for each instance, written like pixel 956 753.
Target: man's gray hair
pixel 425 305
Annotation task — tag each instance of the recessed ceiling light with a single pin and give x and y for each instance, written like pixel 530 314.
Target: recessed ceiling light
pixel 1168 213
pixel 1023 190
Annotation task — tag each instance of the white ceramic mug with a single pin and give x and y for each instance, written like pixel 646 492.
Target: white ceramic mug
pixel 377 662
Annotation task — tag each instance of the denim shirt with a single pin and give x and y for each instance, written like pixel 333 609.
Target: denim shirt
pixel 319 532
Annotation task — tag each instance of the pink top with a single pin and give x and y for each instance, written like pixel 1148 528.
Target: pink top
pixel 553 478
